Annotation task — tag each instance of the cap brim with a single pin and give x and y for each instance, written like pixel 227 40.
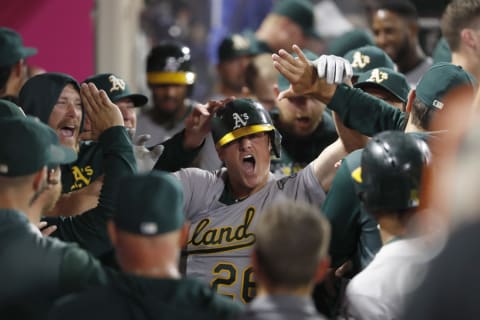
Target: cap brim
pixel 28 52
pixel 378 85
pixel 61 155
pixel 139 100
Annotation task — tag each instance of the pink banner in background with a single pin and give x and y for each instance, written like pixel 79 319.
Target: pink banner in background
pixel 62 31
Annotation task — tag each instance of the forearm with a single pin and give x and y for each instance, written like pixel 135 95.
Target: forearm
pixel 365 113
pixel 89 228
pixel 175 154
pixel 324 164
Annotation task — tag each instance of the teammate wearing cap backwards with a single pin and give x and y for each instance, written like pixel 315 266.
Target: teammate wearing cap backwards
pixel 390 182
pixel 367 58
pixel 148 233
pixel 13 70
pixel 223 206
pixel 170 78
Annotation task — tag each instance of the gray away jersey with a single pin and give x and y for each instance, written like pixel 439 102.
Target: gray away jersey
pixel 221 236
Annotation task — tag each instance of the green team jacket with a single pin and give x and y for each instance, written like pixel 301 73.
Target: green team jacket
pixel 365 113
pixel 90 163
pixel 134 297
pixel 36 270
pixel 296 153
pixel 89 230
pixel 354 232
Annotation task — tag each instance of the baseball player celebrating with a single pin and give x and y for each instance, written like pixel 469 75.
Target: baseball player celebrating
pixel 223 206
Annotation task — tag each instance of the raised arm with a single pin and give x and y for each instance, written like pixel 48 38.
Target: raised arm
pixel 321 79
pixel 89 228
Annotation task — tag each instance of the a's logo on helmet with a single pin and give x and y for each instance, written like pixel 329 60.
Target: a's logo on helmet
pixel 117 83
pixel 378 76
pixel 360 60
pixel 173 64
pixel 240 120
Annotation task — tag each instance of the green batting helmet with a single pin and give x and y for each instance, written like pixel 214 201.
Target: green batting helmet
pixel 241 117
pixel 390 172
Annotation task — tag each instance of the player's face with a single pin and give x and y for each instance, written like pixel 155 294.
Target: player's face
pixel 66 117
pixel 232 73
pixel 127 108
pixel 248 163
pixel 391 33
pixel 168 99
pixel 300 116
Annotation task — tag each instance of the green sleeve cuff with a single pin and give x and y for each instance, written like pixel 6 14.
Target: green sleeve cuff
pixel 175 156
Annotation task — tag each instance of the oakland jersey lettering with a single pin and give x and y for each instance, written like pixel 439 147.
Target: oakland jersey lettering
pixel 223 238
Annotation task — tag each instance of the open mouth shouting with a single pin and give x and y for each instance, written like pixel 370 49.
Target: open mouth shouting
pixel 248 164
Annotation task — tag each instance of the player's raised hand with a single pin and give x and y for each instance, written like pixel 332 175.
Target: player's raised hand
pixel 102 112
pixel 299 71
pixel 198 123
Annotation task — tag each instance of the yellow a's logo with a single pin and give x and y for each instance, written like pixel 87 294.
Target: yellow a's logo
pixel 360 60
pixel 378 76
pixel 117 83
pixel 82 176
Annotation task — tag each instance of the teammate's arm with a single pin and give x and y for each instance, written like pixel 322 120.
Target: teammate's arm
pixel 322 79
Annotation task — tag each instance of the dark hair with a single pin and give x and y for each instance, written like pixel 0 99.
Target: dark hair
pixel 4 74
pixel 421 114
pixel 458 15
pixel 403 8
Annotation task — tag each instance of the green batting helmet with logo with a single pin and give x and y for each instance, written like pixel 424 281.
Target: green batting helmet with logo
pixel 242 117
pixel 391 171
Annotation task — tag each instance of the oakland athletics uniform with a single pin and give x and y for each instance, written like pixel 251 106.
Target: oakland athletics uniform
pixel 222 230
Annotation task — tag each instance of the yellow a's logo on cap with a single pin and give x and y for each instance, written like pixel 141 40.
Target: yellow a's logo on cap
pixel 117 83
pixel 377 76
pixel 360 60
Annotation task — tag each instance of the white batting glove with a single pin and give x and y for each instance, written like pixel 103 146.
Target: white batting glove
pixel 146 158
pixel 335 70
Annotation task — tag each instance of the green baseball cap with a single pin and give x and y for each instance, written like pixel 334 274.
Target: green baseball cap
pixel 116 88
pixel 387 79
pixel 11 48
pixel 28 145
pixel 300 12
pixel 442 52
pixel 367 58
pixel 439 80
pixel 350 40
pixel 10 109
pixel 234 46
pixel 149 204
pixel 282 82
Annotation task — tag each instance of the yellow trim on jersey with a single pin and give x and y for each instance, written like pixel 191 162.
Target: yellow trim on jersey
pixel 357 175
pixel 159 77
pixel 244 131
